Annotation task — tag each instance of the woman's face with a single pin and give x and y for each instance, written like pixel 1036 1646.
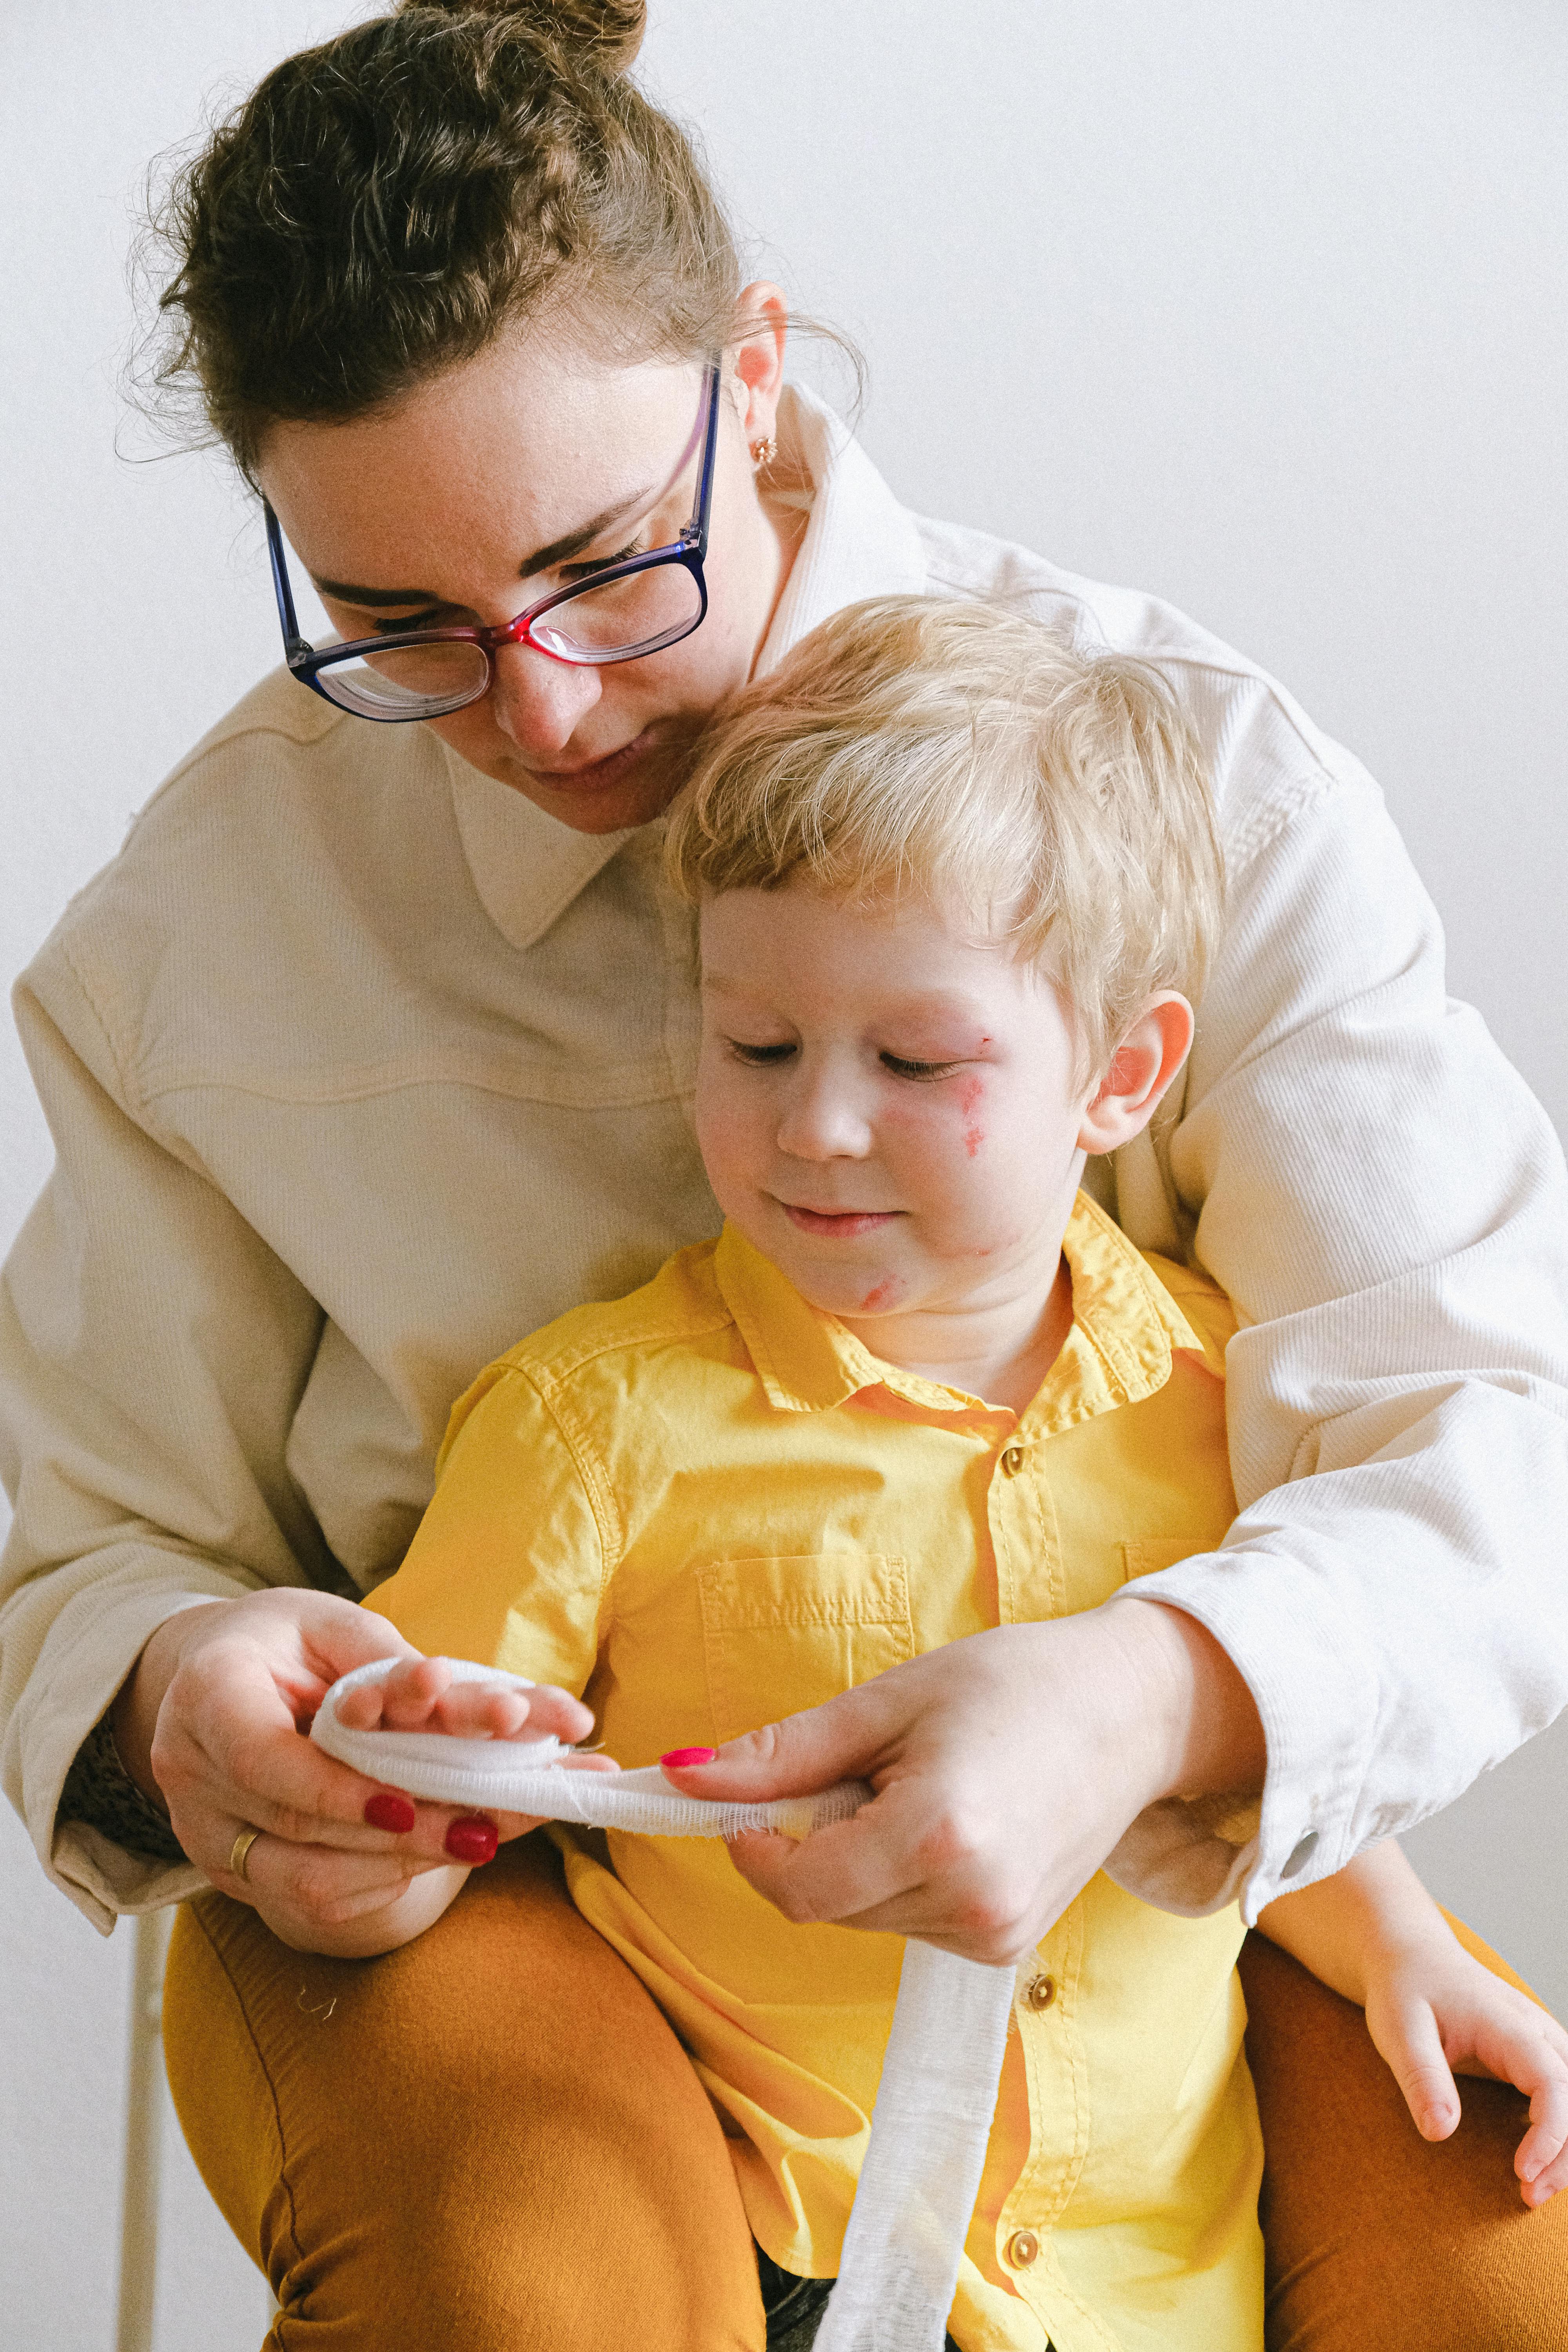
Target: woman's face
pixel 497 483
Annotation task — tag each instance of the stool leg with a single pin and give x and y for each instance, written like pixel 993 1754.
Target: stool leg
pixel 143 2138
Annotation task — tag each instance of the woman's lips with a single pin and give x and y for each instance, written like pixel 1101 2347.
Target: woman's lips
pixel 594 773
pixel 838 1224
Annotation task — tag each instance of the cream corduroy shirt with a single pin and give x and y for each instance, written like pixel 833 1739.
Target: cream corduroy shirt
pixel 358 1066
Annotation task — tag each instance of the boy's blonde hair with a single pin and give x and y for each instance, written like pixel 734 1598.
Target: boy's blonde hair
pixel 963 754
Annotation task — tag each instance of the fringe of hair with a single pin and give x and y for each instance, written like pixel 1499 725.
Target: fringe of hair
pixel 963 753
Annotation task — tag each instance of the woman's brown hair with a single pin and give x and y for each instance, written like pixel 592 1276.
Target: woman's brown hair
pixel 382 206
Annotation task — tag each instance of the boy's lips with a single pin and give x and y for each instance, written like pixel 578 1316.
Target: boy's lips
pixel 840 1224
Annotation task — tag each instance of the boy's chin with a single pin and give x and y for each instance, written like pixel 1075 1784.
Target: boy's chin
pixel 849 1294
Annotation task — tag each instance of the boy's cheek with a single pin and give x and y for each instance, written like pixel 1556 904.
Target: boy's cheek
pixel 728 1145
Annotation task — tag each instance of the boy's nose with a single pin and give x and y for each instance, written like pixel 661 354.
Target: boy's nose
pixel 821 1121
pixel 540 702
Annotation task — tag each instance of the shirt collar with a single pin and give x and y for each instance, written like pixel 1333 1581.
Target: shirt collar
pixel 526 868
pixel 1125 1330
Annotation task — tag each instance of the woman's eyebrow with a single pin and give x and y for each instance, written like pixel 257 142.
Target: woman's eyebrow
pixel 560 550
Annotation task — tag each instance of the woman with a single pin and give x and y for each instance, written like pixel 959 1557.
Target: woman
pixel 371 1051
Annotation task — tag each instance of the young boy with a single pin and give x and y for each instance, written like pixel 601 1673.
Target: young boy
pixel 957 889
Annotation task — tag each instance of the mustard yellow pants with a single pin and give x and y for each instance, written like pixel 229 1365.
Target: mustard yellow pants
pixel 492 2139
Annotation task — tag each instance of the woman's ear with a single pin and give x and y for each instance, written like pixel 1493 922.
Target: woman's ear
pixel 754 373
pixel 1143 1065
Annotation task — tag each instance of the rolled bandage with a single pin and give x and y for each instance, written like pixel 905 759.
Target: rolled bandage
pixel 922 2169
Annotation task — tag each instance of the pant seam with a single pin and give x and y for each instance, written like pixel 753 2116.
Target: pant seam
pixel 288 2185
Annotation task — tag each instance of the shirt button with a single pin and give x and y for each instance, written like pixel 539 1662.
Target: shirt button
pixel 1013 1460
pixel 1023 2248
pixel 1301 1854
pixel 1039 1993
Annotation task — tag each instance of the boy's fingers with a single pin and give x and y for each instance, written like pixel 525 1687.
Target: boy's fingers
pixel 1409 2041
pixel 553 1710
pixel 1532 2064
pixel 1547 2181
pixel 469 1709
pixel 402 1703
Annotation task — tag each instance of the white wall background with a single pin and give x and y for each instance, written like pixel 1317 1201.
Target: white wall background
pixel 1262 308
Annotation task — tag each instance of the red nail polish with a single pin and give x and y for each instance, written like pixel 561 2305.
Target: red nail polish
pixel 681 1756
pixel 386 1811
pixel 472 1839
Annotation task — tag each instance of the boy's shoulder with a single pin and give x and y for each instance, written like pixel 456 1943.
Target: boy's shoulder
pixel 1202 1301
pixel 682 1303
pixel 586 1362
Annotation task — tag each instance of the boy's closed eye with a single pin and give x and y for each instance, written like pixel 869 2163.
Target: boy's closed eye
pixel 922 1072
pixel 761 1057
pixel 903 1065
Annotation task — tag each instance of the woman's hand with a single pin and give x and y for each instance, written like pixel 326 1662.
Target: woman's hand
pixel 214 1721
pixel 1433 2012
pixel 1007 1767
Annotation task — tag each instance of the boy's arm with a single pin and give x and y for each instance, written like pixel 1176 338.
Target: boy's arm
pixel 1342 1926
pixel 1372 1933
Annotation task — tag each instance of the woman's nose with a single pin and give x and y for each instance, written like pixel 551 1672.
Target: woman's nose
pixel 538 702
pixel 820 1120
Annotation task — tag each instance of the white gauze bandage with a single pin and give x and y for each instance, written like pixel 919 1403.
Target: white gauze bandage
pixel 922 2169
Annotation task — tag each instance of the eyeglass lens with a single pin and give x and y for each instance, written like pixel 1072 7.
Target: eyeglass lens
pixel 407 681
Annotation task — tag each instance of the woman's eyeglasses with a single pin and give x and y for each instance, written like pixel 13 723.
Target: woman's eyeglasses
pixel 623 611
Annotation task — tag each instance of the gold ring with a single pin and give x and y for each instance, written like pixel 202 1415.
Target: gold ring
pixel 239 1853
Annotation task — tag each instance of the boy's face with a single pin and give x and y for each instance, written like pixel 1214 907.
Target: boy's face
pixel 888 1108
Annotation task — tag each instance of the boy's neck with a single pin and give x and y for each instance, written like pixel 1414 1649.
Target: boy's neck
pixel 998 1345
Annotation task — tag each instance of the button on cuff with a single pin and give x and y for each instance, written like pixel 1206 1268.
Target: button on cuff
pixel 1300 1855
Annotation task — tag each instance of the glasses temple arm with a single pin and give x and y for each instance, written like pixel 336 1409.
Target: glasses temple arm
pixel 710 434
pixel 293 643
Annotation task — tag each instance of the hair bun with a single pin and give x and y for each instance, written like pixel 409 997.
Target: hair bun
pixel 604 35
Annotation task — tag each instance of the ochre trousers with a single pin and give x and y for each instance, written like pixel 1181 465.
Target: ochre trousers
pixel 491 2138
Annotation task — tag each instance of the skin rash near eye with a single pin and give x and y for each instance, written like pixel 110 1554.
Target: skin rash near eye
pixel 971 1093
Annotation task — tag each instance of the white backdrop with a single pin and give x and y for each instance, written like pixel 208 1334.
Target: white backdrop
pixel 1260 307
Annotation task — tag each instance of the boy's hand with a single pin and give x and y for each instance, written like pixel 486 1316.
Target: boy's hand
pixel 422 1695
pixel 1433 2012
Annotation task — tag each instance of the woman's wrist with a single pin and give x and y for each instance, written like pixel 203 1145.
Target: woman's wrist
pixel 1199 1722
pixel 133 1714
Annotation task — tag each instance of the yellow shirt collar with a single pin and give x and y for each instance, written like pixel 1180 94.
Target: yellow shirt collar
pixel 1125 1330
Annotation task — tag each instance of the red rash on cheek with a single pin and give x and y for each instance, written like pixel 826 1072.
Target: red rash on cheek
pixel 969 1094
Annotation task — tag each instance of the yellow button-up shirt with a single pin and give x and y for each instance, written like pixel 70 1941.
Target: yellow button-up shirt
pixel 708 1505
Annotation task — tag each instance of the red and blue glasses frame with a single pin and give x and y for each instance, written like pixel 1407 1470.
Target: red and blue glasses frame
pixel 305 661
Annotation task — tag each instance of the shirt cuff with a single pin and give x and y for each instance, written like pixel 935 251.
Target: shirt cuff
pixel 1316 1693
pixel 68 1694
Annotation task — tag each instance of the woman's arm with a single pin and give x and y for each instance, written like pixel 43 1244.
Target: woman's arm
pixel 1385 1205
pixel 1375 1935
pixel 152 1354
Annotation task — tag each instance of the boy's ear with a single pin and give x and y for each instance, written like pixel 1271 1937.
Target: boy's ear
pixel 1142 1066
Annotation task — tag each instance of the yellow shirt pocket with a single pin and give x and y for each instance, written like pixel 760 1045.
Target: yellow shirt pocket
pixel 1151 1553
pixel 780 1634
